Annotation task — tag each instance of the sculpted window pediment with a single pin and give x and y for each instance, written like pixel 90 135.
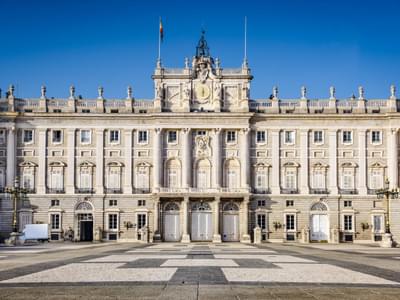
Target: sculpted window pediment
pixel 261 166
pixel 291 165
pixel 115 164
pixel 320 165
pixel 349 165
pixel 27 164
pixel 57 164
pixel 377 165
pixel 86 164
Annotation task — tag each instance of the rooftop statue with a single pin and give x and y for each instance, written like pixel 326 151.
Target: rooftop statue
pixel 202 47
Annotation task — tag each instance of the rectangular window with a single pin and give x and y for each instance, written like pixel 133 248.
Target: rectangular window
pixel 28 179
pixel 113 221
pixel 57 181
pixel 378 221
pixel 348 222
pixel 318 137
pixel 231 180
pixel 142 178
pixel 172 137
pixel 172 178
pixel 289 203
pixel 347 137
pixel 55 221
pixel 290 222
pixel 2 136
pixel 85 136
pixel 113 202
pixel 289 137
pixel 347 203
pixel 376 137
pixel 57 136
pixel 376 178
pixel 114 136
pixel 290 179
pixel 261 203
pixel 141 221
pixel 348 179
pixel 261 137
pixel 55 202
pixel 141 202
pixel 261 221
pixel 230 136
pixel 318 179
pixel 142 137
pixel 114 178
pixel 85 179
pixel 28 136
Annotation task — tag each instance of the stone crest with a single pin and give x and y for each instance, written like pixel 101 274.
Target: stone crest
pixel 202 144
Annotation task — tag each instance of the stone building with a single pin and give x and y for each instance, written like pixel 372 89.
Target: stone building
pixel 202 161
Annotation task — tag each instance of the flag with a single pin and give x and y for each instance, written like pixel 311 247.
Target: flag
pixel 161 31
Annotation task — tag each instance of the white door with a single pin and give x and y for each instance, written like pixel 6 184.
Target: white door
pixel 201 226
pixel 171 227
pixel 230 225
pixel 319 228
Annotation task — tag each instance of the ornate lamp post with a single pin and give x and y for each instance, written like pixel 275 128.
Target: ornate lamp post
pixel 386 194
pixel 16 193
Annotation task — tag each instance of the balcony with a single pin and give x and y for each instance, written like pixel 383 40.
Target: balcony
pixel 84 191
pixel 30 190
pixel 289 191
pixel 142 191
pixel 173 190
pixel 203 190
pixel 372 191
pixel 55 191
pixel 261 191
pixel 319 191
pixel 113 190
pixel 348 191
pixel 234 190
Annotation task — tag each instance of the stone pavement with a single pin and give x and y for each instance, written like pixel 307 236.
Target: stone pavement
pixel 224 271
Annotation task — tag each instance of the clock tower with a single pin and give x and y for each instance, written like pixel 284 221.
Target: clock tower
pixel 202 87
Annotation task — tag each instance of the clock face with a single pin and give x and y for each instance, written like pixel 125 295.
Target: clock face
pixel 202 91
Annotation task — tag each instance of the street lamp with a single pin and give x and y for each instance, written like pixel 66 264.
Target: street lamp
pixel 16 193
pixel 386 194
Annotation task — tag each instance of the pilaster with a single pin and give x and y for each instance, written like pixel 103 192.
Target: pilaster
pixel 186 158
pixel 217 235
pixel 128 162
pixel 245 237
pixel 304 180
pixel 362 162
pixel 216 151
pixel 393 160
pixel 185 235
pixel 333 187
pixel 42 154
pixel 70 183
pixel 245 157
pixel 100 161
pixel 11 155
pixel 157 159
pixel 275 182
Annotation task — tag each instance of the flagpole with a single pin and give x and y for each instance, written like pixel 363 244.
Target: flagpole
pixel 159 41
pixel 245 38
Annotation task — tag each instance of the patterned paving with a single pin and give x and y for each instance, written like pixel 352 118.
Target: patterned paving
pixel 204 263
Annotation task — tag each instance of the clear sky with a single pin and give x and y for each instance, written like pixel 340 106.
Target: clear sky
pixel 114 44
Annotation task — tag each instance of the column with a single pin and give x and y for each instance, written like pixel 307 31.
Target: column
pixel 70 183
pixel 245 158
pixel 275 182
pixel 186 158
pixel 11 155
pixel 157 159
pixel 333 187
pixel 42 153
pixel 128 162
pixel 100 161
pixel 245 237
pixel 217 235
pixel 304 181
pixel 392 157
pixel 362 162
pixel 156 230
pixel 185 235
pixel 216 151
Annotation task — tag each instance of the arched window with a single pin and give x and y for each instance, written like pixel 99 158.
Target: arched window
pixel 171 206
pixel 230 206
pixel 203 171
pixel 173 173
pixel 201 206
pixel 319 206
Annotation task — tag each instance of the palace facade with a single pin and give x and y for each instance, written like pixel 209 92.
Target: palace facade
pixel 202 161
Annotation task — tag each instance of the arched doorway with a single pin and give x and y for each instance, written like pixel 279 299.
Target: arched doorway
pixel 230 222
pixel 171 226
pixel 84 217
pixel 319 222
pixel 201 225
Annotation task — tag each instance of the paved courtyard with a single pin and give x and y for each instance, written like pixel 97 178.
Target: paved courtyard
pixel 199 270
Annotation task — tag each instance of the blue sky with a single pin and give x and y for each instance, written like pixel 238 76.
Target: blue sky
pixel 114 44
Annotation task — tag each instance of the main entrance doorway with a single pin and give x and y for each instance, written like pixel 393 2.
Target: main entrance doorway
pixel 85 222
pixel 201 222
pixel 171 227
pixel 230 223
pixel 319 227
